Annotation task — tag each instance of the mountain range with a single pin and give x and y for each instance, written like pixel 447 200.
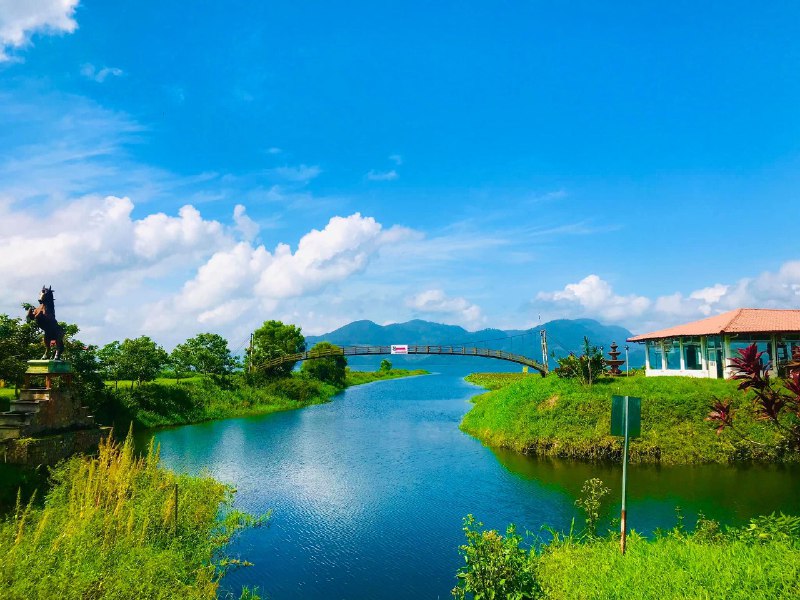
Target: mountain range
pixel 563 336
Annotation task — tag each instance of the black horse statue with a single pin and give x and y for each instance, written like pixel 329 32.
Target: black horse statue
pixel 45 317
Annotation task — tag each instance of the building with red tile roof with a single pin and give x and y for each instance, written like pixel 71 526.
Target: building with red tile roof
pixel 703 348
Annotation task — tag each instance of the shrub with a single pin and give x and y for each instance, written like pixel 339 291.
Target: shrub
pixel 587 367
pixel 496 566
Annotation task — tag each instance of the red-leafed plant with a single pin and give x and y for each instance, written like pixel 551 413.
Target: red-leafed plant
pixel 779 406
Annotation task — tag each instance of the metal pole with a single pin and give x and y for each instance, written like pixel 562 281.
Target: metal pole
pixel 623 519
pixel 627 362
pixel 543 333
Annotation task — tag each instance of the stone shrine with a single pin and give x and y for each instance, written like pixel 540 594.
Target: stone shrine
pixel 47 423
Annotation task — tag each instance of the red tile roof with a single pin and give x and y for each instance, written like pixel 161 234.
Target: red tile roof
pixel 741 320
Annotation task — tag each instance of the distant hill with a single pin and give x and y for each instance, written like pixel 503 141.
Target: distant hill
pixel 563 336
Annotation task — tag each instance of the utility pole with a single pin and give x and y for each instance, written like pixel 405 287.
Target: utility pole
pixel 250 354
pixel 543 333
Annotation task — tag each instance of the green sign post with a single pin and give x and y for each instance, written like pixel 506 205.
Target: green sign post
pixel 626 422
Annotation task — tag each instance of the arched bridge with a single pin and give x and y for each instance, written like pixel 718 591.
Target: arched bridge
pixel 378 350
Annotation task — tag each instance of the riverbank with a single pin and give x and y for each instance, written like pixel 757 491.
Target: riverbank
pixel 758 561
pixel 168 402
pixel 560 417
pixel 110 528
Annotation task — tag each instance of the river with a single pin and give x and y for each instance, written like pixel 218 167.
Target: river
pixel 368 492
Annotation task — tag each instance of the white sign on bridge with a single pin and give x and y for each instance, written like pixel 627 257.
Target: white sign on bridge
pixel 399 348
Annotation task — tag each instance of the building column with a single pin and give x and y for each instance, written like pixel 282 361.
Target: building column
pixel 682 362
pixel 704 353
pixel 774 349
pixel 726 353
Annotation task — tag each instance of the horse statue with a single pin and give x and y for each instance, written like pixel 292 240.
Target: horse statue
pixel 45 317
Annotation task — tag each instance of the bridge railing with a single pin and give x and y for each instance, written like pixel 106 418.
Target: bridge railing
pixel 412 349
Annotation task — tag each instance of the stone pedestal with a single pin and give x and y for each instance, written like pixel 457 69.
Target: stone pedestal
pixel 47 422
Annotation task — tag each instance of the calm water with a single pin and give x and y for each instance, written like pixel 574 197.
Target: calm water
pixel 368 492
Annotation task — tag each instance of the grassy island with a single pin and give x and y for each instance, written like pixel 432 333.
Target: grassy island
pixel 562 417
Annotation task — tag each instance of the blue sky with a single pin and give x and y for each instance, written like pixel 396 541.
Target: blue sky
pixel 173 168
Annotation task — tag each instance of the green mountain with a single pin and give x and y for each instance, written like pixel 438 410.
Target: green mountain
pixel 563 336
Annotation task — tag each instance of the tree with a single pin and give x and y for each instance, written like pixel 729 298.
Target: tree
pixel 110 359
pixel 19 342
pixel 206 353
pixel 331 369
pixel 180 360
pixel 141 359
pixel 274 340
pixel 386 365
pixel 86 375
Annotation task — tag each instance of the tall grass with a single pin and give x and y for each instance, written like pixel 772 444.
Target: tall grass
pixel 108 530
pixel 562 417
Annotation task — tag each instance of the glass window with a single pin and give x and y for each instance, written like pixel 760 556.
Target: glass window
pixel 673 351
pixel 786 346
pixel 762 345
pixel 654 353
pixel 692 357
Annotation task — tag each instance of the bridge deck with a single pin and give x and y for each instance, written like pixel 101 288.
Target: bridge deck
pixel 416 349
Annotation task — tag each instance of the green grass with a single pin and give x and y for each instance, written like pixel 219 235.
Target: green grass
pixel 166 402
pixel 194 400
pixel 671 568
pixel 760 560
pixel 361 377
pixel 107 530
pixel 560 417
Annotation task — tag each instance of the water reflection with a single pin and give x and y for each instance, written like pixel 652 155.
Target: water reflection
pixel 731 494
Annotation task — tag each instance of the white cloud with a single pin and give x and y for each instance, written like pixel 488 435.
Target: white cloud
pixel 711 294
pixel 244 224
pixel 172 275
pixel 382 175
pixel 159 234
pixel 344 247
pixel 436 302
pixel 396 159
pixel 594 297
pixel 19 19
pixel 99 75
